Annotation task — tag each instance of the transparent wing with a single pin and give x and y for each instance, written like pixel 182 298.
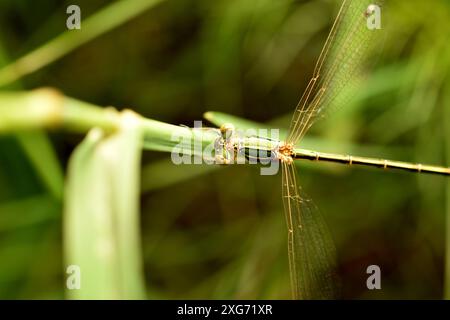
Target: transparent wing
pixel 341 61
pixel 312 258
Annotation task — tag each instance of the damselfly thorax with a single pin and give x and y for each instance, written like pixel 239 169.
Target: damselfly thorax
pixel 233 147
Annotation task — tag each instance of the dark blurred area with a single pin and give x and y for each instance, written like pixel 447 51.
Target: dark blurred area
pixel 221 233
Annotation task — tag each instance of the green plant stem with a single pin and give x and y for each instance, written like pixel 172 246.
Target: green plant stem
pixel 47 108
pixel 110 17
pixel 39 150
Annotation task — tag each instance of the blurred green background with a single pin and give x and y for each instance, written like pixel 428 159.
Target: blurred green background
pixel 219 232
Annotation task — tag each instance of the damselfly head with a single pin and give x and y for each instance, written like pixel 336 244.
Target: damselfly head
pixel 227 130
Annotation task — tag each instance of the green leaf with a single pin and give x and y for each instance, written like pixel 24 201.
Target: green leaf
pixel 220 118
pixel 101 217
pixel 164 173
pixel 43 157
pixel 29 211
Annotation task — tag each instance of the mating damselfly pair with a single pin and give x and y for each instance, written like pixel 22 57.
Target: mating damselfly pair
pixel 310 248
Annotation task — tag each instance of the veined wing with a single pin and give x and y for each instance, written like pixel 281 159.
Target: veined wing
pixel 312 258
pixel 341 61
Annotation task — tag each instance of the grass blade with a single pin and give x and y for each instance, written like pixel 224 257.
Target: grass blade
pixel 103 21
pixel 102 212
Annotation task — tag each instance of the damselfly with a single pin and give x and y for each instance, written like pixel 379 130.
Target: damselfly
pixel 310 248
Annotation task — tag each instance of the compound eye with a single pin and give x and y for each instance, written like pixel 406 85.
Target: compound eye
pixel 227 129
